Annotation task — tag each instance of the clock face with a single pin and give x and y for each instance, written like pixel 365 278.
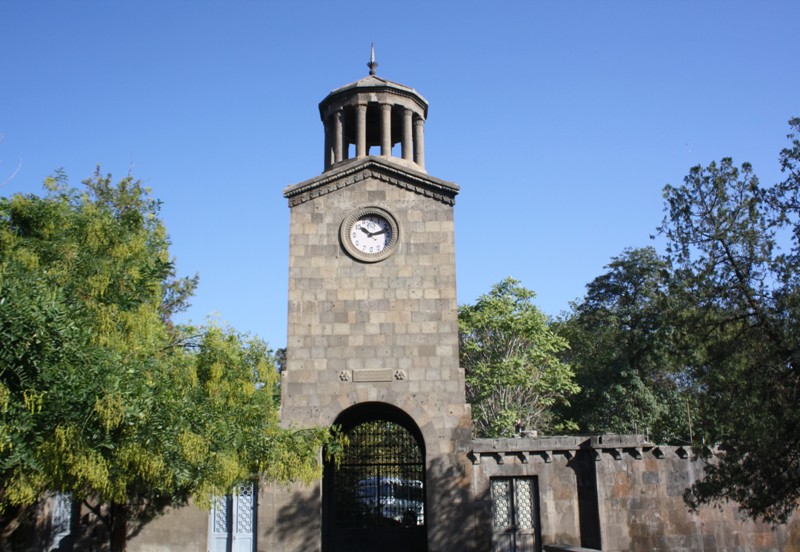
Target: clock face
pixel 369 234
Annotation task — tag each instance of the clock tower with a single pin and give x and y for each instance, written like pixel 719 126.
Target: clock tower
pixel 372 330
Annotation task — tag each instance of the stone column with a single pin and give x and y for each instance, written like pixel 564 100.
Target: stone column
pixel 338 136
pixel 408 142
pixel 419 142
pixel 328 157
pixel 386 130
pixel 361 131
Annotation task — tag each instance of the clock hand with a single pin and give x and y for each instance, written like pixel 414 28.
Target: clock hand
pixel 378 232
pixel 367 232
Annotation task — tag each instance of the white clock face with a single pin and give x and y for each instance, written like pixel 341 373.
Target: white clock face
pixel 371 233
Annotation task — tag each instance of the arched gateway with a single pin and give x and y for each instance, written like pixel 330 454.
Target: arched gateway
pixel 374 498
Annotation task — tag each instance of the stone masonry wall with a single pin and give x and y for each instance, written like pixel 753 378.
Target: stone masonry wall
pixel 636 503
pixel 383 332
pixel 642 508
pixel 348 319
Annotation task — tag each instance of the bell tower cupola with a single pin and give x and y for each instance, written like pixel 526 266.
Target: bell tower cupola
pixel 374 115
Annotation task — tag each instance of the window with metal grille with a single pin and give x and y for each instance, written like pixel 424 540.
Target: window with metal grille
pixel 231 520
pixel 515 515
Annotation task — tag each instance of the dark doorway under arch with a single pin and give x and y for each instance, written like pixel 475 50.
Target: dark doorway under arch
pixel 374 499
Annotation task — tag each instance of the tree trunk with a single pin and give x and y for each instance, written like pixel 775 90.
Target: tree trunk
pixel 119 527
pixel 9 523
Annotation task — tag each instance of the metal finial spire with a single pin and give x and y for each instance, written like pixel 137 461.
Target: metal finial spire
pixel 372 63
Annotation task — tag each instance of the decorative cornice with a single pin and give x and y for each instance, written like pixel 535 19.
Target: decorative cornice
pixel 371 167
pixel 614 446
pixel 349 95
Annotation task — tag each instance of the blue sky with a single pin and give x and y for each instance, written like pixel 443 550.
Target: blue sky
pixel 561 121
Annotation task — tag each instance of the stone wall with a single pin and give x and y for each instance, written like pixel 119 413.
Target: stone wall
pixel 616 493
pixel 181 529
pixel 641 507
pixel 289 518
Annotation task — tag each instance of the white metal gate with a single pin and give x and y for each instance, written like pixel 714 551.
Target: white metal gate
pixel 231 523
pixel 515 514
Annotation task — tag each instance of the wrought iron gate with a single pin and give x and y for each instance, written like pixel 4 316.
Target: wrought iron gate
pixel 376 495
pixel 515 514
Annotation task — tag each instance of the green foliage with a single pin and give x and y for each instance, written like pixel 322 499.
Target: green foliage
pixel 510 356
pixel 100 395
pixel 736 256
pixel 621 337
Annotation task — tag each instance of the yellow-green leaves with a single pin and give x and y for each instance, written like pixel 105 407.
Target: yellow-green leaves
pixel 194 448
pixel 81 341
pixel 100 394
pixel 33 400
pixel 110 409
pixel 70 462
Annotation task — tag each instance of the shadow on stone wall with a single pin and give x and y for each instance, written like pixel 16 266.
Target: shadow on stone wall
pixel 298 522
pixel 89 530
pixel 455 512
pixel 588 513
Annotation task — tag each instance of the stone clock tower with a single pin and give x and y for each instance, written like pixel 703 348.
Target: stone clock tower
pixel 373 337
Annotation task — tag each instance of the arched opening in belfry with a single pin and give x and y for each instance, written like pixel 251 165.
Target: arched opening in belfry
pixel 374 499
pixel 373 129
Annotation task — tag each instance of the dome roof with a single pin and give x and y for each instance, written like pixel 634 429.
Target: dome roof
pixel 373 84
pixel 373 81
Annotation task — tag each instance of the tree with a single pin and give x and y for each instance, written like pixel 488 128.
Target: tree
pixel 735 249
pixel 101 396
pixel 510 356
pixel 620 338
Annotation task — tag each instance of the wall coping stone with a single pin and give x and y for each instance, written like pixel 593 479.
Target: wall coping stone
pixel 528 447
pixel 561 443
